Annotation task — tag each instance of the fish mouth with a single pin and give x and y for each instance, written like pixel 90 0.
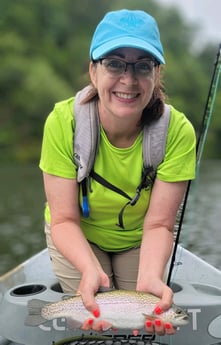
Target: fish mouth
pixel 185 318
pixel 181 320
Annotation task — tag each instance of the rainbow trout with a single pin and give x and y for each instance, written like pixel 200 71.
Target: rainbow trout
pixel 121 308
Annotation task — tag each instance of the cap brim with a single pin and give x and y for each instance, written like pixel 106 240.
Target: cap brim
pixel 129 42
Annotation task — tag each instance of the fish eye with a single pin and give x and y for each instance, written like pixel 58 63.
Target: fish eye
pixel 179 311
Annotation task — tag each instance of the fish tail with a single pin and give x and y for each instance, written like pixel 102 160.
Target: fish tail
pixel 34 317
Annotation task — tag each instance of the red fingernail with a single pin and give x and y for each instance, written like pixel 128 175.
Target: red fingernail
pixel 96 313
pixel 157 322
pixel 167 326
pixel 148 323
pixel 157 310
pixel 90 321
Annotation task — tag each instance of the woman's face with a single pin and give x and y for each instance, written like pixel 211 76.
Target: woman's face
pixel 124 95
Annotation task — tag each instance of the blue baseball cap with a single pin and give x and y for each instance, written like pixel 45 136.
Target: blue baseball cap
pixel 127 28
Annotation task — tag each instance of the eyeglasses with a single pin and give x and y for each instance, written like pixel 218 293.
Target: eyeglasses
pixel 116 67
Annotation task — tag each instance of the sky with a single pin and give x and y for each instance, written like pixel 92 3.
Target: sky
pixel 205 13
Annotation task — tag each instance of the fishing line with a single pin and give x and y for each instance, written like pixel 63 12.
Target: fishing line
pixel 199 148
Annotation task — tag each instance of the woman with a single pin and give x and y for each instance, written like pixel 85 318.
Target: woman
pixel 88 253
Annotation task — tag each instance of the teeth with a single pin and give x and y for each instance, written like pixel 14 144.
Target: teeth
pixel 126 95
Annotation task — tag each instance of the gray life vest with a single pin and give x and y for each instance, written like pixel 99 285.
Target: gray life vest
pixel 86 143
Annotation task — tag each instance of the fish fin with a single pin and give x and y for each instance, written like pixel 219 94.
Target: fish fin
pixel 34 317
pixel 73 324
pixel 67 297
pixel 150 317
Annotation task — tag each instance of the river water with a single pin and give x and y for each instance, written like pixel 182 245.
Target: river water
pixel 22 203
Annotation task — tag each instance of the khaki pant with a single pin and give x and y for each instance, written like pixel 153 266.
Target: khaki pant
pixel 121 267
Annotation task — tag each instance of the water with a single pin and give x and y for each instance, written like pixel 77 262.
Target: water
pixel 201 232
pixel 21 215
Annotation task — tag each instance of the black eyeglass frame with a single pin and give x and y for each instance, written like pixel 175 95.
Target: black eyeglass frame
pixel 133 64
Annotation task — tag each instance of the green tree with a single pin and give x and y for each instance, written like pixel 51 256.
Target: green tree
pixel 44 58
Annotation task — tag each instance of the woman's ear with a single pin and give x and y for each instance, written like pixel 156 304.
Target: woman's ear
pixel 93 73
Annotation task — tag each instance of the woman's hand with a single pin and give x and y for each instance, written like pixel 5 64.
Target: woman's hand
pixel 90 283
pixel 158 288
pixel 158 327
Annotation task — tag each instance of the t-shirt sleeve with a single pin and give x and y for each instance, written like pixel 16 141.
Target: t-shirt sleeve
pixel 180 156
pixel 57 145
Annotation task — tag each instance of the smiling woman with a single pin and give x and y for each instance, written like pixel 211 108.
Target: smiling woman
pixel 90 249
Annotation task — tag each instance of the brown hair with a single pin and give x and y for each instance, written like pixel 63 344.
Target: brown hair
pixel 155 107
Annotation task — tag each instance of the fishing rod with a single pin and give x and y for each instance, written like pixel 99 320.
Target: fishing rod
pixel 208 111
pixel 209 107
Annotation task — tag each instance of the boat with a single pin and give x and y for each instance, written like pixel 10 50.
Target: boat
pixel 197 289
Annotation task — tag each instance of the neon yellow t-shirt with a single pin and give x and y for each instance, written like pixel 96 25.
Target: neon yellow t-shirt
pixel 120 166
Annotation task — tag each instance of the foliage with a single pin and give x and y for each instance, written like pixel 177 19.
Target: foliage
pixel 44 58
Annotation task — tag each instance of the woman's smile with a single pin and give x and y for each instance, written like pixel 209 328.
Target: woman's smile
pixel 126 95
